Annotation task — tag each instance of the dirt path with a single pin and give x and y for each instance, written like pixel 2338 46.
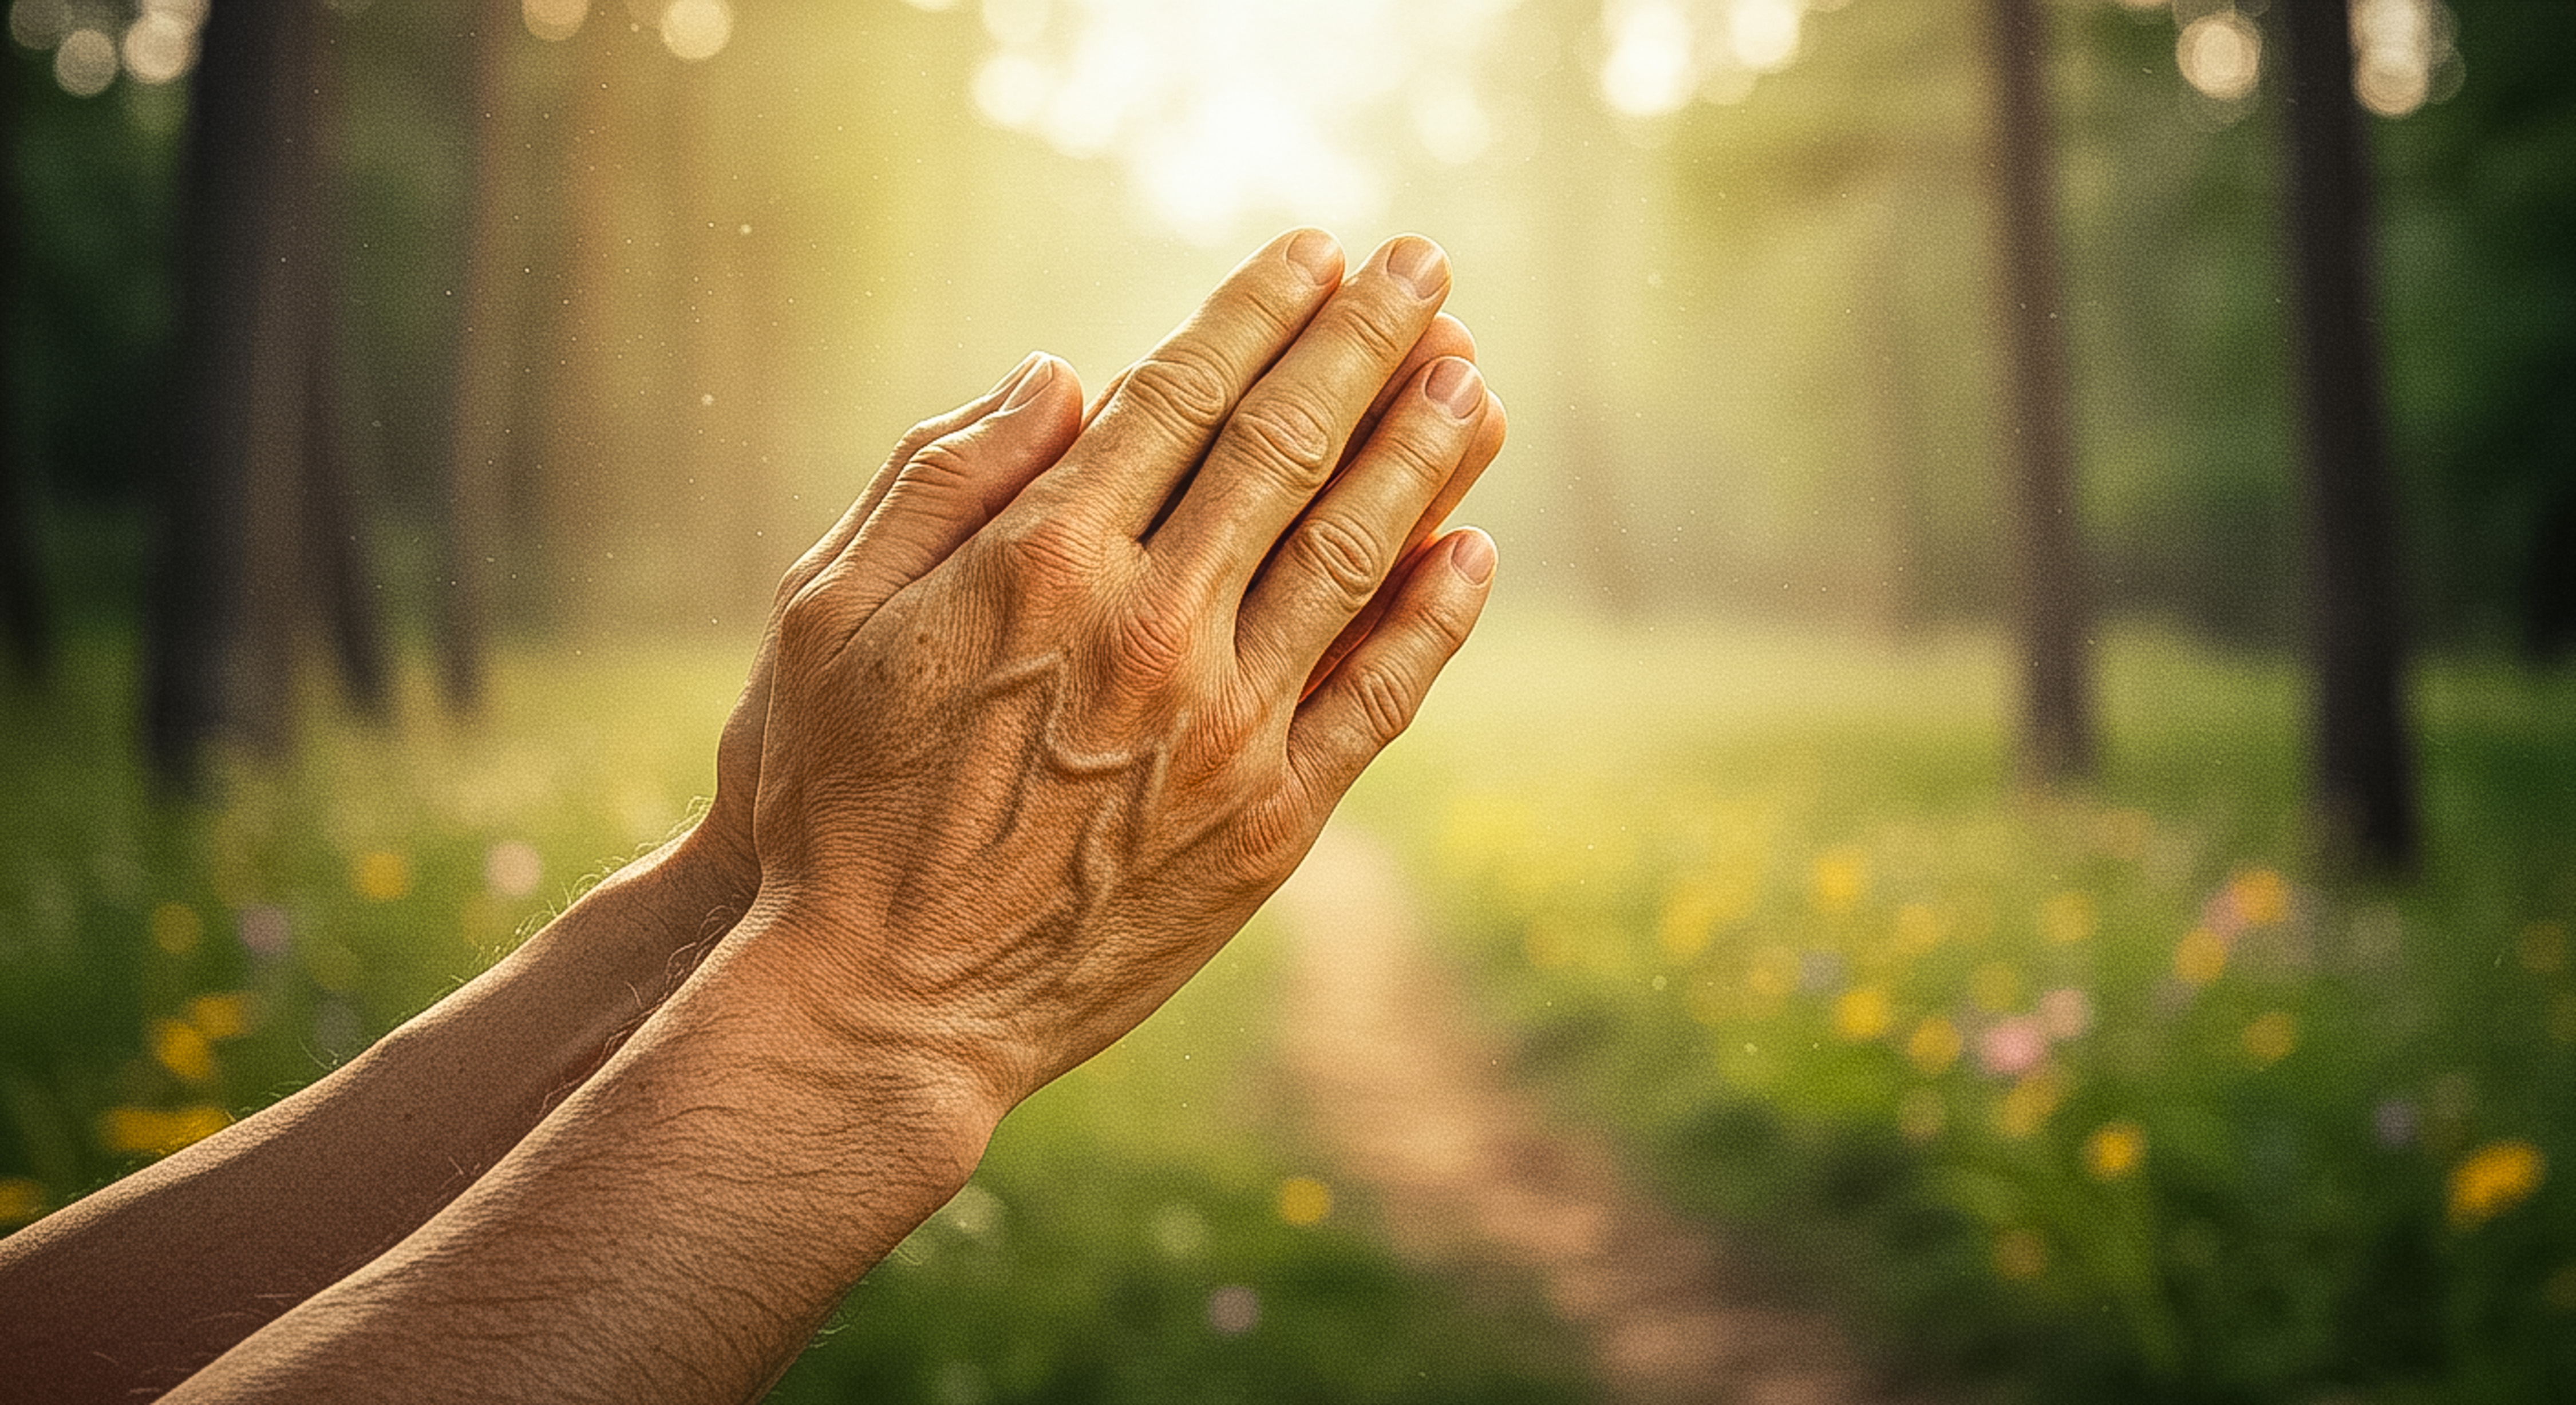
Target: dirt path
pixel 1415 1105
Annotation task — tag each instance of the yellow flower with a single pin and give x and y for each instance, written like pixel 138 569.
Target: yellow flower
pixel 2019 1255
pixel 2495 1178
pixel 380 876
pixel 2115 1150
pixel 1862 1013
pixel 1840 877
pixel 145 1131
pixel 21 1200
pixel 2261 896
pixel 176 928
pixel 2029 1105
pixel 1935 1045
pixel 2068 918
pixel 2271 1037
pixel 1303 1200
pixel 181 1049
pixel 2200 957
pixel 225 1016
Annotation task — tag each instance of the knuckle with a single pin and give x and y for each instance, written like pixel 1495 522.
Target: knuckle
pixel 1378 332
pixel 1180 387
pixel 1421 454
pixel 1385 702
pixel 1342 555
pixel 1048 551
pixel 1288 436
pixel 941 466
pixel 1149 644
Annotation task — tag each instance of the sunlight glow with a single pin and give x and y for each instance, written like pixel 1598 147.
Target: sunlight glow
pixel 694 30
pixel 1665 52
pixel 2403 55
pixel 1223 110
pixel 2220 54
pixel 86 63
pixel 553 19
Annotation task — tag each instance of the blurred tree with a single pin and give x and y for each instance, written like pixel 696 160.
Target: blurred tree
pixel 486 355
pixel 2363 778
pixel 2051 617
pixel 24 615
pixel 259 530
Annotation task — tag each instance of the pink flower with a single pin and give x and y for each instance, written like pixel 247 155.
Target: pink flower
pixel 2013 1047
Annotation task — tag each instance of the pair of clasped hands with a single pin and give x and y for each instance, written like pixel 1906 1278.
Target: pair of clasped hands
pixel 1033 730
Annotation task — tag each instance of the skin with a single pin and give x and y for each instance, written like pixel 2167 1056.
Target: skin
pixel 1059 701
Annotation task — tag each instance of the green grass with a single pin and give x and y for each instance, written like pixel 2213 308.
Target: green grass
pixel 1081 1266
pixel 1718 883
pixel 1767 907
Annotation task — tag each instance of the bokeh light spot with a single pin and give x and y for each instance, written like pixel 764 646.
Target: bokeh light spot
pixel 2020 1255
pixel 1233 1310
pixel 2114 1150
pixel 86 63
pixel 1303 1200
pixel 695 30
pixel 2200 958
pixel 380 876
pixel 2493 1179
pixel 513 868
pixel 553 20
pixel 21 1200
pixel 2271 1037
pixel 2221 55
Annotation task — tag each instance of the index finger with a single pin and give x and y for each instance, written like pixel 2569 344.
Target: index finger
pixel 1162 414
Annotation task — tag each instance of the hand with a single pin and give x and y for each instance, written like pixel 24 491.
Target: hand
pixel 1037 747
pixel 973 452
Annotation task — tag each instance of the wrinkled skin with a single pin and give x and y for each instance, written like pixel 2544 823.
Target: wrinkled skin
pixel 1041 739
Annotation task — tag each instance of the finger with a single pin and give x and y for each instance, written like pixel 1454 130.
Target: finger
pixel 1490 433
pixel 1373 696
pixel 1281 445
pixel 929 431
pixel 1332 562
pixel 949 488
pixel 1447 336
pixel 1157 423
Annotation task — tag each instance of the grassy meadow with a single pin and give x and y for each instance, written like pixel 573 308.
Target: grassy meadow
pixel 2112 1095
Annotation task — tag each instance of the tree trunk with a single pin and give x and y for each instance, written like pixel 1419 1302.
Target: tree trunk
pixel 486 353
pixel 2362 783
pixel 245 98
pixel 2051 617
pixel 260 515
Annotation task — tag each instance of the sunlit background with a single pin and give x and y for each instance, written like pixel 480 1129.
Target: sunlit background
pixel 1721 850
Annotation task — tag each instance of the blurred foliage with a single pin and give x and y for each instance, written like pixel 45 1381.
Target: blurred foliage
pixel 2100 1097
pixel 163 971
pixel 1749 341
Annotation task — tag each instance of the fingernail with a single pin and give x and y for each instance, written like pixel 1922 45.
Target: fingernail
pixel 1419 265
pixel 1316 253
pixel 1018 372
pixel 1473 556
pixel 1031 382
pixel 1453 385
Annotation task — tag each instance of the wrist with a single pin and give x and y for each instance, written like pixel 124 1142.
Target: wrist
pixel 803 971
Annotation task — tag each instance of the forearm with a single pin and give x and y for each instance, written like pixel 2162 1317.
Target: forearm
pixel 674 1232
pixel 143 1282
